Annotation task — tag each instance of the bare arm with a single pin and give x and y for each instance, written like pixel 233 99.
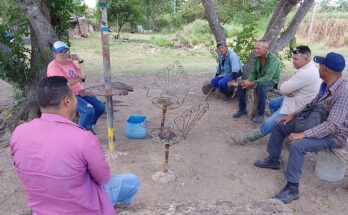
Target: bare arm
pixel 82 71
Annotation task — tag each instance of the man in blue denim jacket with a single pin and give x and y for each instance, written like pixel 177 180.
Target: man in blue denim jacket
pixel 228 69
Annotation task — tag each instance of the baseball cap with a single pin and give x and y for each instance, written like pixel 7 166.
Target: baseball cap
pixel 333 61
pixel 59 47
pixel 221 42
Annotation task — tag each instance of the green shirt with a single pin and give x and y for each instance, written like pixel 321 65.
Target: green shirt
pixel 269 72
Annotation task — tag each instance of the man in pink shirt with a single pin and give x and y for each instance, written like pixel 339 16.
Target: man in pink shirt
pixel 61 165
pixel 89 107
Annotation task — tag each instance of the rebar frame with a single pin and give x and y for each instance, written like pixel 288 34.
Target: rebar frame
pixel 171 87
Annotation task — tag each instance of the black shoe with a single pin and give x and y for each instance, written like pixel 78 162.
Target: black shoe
pixel 269 163
pixel 288 194
pixel 239 113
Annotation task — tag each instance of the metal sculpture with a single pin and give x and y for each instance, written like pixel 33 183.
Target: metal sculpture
pixel 169 91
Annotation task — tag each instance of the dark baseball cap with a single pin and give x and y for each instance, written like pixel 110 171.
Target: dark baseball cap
pixel 333 61
pixel 221 43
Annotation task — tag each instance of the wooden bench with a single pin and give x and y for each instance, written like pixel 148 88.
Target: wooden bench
pixel 271 93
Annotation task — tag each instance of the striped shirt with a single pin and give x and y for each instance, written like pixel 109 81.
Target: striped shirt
pixel 335 101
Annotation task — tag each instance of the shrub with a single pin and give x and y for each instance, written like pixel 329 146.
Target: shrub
pixel 200 27
pixel 163 42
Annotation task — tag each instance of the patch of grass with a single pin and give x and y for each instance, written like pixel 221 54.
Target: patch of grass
pixel 138 58
pixel 163 42
pixel 345 38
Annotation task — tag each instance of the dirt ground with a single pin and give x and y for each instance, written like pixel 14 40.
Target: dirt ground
pixel 208 166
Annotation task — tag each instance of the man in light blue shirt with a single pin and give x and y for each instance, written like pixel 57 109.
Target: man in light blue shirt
pixel 228 69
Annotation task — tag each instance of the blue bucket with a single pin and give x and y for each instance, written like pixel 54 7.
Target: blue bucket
pixel 135 127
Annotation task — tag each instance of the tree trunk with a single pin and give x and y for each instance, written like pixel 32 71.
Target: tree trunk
pixel 213 21
pixel 278 20
pixel 42 38
pixel 291 30
pixel 41 27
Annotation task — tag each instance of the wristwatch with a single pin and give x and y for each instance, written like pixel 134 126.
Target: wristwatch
pixel 81 61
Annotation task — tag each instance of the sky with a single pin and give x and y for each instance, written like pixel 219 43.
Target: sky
pixel 90 3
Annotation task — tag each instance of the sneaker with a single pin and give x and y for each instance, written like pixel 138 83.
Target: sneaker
pixel 258 119
pixel 239 113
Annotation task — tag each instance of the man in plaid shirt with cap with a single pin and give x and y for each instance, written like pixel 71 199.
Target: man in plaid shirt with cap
pixel 331 133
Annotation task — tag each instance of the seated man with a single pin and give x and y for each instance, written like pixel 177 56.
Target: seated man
pixel 89 107
pixel 228 69
pixel 331 133
pixel 61 165
pixel 298 91
pixel 264 75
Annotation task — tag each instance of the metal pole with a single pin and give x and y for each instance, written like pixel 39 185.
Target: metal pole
pixel 104 29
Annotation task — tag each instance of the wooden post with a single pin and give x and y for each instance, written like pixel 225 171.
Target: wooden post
pixel 104 29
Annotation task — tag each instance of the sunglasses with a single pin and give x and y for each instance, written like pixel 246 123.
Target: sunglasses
pixel 299 51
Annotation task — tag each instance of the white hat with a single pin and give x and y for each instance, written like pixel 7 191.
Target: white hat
pixel 59 47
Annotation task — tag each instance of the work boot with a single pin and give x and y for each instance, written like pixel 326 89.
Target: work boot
pixel 248 137
pixel 258 119
pixel 239 113
pixel 268 163
pixel 289 193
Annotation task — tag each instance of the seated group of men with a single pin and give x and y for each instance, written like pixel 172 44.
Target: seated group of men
pixel 63 168
pixel 306 90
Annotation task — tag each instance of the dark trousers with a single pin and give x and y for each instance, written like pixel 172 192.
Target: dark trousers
pixel 261 92
pixel 298 149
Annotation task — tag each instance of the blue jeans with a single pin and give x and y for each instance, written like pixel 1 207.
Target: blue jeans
pixel 274 105
pixel 221 82
pixel 261 92
pixel 298 148
pixel 90 109
pixel 122 188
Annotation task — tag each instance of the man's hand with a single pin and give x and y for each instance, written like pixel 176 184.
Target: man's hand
pixel 246 84
pixel 296 136
pixel 232 83
pixel 286 119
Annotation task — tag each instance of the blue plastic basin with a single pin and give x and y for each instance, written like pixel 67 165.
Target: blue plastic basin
pixel 135 128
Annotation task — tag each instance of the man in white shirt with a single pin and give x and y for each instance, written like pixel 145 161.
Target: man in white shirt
pixel 298 91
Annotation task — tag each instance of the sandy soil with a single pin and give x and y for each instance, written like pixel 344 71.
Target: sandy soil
pixel 208 166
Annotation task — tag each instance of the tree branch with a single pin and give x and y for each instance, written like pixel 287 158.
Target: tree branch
pixel 291 30
pixel 279 18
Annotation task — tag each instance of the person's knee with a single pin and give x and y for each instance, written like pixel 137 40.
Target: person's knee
pixel 90 111
pixel 260 88
pixel 222 85
pixel 296 146
pixel 100 109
